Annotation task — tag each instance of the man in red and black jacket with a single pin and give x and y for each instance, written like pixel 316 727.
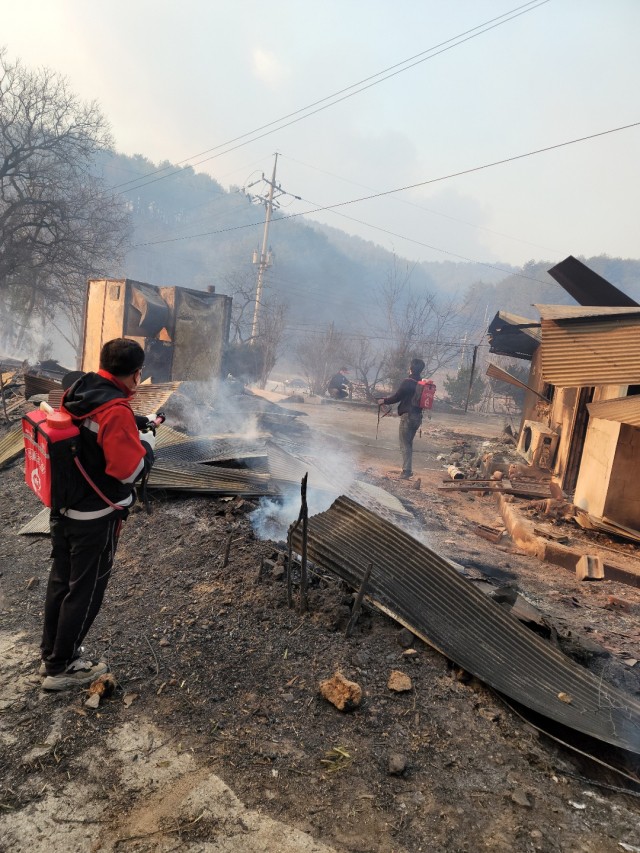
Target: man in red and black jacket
pixel 84 536
pixel 410 415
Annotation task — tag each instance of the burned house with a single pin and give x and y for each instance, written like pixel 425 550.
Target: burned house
pixel 183 332
pixel 581 415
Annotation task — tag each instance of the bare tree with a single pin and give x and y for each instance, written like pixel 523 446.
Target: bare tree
pixel 59 224
pixel 417 325
pixel 256 355
pixel 321 355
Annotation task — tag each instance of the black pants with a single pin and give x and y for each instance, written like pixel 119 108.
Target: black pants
pixel 83 553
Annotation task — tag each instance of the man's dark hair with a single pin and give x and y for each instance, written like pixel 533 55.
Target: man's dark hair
pixel 417 366
pixel 121 357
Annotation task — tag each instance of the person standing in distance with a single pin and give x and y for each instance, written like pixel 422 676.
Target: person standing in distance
pixel 85 536
pixel 410 415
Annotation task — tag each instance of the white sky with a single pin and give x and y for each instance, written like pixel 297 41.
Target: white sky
pixel 177 78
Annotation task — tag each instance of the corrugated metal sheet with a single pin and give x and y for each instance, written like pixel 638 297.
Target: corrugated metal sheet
pixel 366 494
pixel 167 437
pixel 577 312
pixel 193 477
pixel 591 352
pixel 424 592
pixel 212 450
pixel 147 399
pixel 495 372
pixel 586 286
pixel 624 410
pixel 11 446
pixel 40 385
pixel 38 524
pixel 286 468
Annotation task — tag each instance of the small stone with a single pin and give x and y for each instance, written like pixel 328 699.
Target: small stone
pixel 520 798
pixel 410 653
pixel 288 697
pixel 33 582
pixel 397 764
pixel 164 642
pixel 565 697
pixel 341 692
pixel 93 701
pixel 405 638
pixel 399 682
pixel 361 658
pixel 103 686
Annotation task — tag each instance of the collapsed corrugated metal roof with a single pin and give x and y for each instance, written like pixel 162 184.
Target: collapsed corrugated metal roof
pixel 147 399
pixel 624 410
pixel 515 336
pixel 423 591
pixel 166 437
pixel 212 450
pixel 583 347
pixel 496 372
pixel 38 524
pixel 194 477
pixel 586 286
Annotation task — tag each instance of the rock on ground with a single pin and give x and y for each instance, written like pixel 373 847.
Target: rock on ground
pixel 341 692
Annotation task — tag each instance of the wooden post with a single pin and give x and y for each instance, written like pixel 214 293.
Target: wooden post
pixel 227 549
pixel 289 580
pixel 4 402
pixel 473 370
pixel 357 605
pixel 304 513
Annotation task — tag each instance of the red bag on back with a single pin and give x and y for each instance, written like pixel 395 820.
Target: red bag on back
pixel 424 394
pixel 51 442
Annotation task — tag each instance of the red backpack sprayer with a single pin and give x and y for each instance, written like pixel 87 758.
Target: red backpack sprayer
pixel 53 469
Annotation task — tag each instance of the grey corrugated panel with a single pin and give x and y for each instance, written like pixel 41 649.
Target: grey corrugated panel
pixel 11 446
pixel 594 352
pixel 187 476
pixel 422 590
pixel 212 450
pixel 586 286
pixel 38 524
pixel 624 410
pixel 577 312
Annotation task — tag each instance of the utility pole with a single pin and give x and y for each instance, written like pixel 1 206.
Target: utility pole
pixel 265 258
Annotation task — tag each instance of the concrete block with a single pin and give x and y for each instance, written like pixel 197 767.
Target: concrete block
pixel 590 568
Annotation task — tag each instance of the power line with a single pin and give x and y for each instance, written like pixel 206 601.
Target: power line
pixel 413 186
pixel 421 207
pixel 513 13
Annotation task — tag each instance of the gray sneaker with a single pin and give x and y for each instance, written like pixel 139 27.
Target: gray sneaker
pixel 42 671
pixel 76 674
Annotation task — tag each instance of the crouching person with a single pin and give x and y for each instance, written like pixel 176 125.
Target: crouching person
pixel 114 455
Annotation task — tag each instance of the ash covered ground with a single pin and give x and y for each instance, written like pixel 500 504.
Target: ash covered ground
pixel 217 738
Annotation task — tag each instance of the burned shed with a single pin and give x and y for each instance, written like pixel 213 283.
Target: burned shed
pixel 183 332
pixel 585 373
